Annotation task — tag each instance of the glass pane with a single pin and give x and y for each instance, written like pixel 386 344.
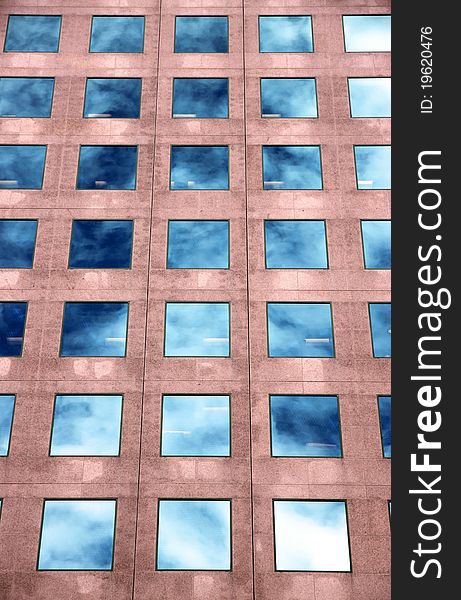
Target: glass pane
pixel 17 243
pixel 22 167
pixel 33 33
pixel 12 325
pixel 26 96
pixel 288 98
pixel 377 244
pixel 380 319
pixel 296 245
pixel 373 167
pixel 116 98
pixel 367 33
pixel 117 34
pixel 6 421
pixel 201 34
pixel 107 168
pixel 201 98
pixel 384 404
pixel 101 245
pixel 285 34
pixel 291 168
pixel 370 96
pixel 199 168
pixel 198 245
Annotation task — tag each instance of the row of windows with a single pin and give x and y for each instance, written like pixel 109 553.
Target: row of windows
pixel 204 98
pixel 208 34
pixel 193 167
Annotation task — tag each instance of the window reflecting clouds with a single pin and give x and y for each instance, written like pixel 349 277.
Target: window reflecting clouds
pixel 113 98
pixel 370 96
pixel 6 421
pixel 385 405
pixel 380 321
pixel 199 168
pixel 12 325
pixel 22 167
pixel 296 245
pixel 32 33
pixel 201 34
pixel 376 237
pixel 291 168
pixel 285 34
pixel 205 98
pixel 17 243
pixel 288 98
pixel 373 167
pixel 107 168
pixel 117 34
pixel 101 244
pixel 26 96
pixel 198 244
pixel 367 33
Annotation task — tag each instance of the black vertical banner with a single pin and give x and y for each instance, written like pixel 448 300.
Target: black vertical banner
pixel 426 328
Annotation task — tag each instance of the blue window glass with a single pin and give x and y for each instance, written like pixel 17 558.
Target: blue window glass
pixel 12 325
pixel 117 34
pixel 292 168
pixel 288 98
pixel 196 426
pixel 201 34
pixel 101 244
pixel 6 421
pixel 285 34
pixel 17 243
pixel 295 245
pixel 107 168
pixel 311 535
pixel 197 329
pixel 86 426
pixel 385 405
pixel 367 33
pixel 198 245
pixel 194 535
pixel 33 33
pixel 300 330
pixel 77 535
pixel 199 168
pixel 26 96
pixel 94 329
pixel 113 98
pixel 305 426
pixel 370 96
pixel 380 321
pixel 22 167
pixel 204 98
pixel 373 167
pixel 376 237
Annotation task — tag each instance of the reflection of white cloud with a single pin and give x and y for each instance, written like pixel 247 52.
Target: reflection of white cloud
pixel 116 98
pixel 200 97
pixel 287 97
pixel 198 244
pixel 370 96
pixel 22 167
pixel 296 244
pixel 117 34
pixel 285 34
pixel 26 96
pixel 201 34
pixel 373 165
pixel 33 33
pixel 17 242
pixel 292 167
pixel 199 167
pixel 377 244
pixel 367 33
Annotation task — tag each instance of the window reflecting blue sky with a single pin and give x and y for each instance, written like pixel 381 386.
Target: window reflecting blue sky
pixel 285 34
pixel 288 98
pixel 117 34
pixel 296 245
pixel 77 535
pixel 373 167
pixel 94 329
pixel 199 168
pixel 117 98
pixel 385 405
pixel 6 420
pixel 33 33
pixel 107 168
pixel 198 245
pixel 197 329
pixel 380 320
pixel 26 96
pixel 86 426
pixel 17 243
pixel 22 167
pixel 305 426
pixel 101 244
pixel 201 34
pixel 291 168
pixel 12 324
pixel 205 98
pixel 376 237
pixel 194 534
pixel 196 426
pixel 300 329
pixel 370 96
pixel 311 536
pixel 367 33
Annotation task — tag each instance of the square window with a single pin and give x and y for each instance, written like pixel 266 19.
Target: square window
pixel 77 535
pixel 201 34
pixel 94 329
pixel 113 98
pixel 199 168
pixel 295 245
pixel 22 167
pixel 107 168
pixel 12 326
pixel 33 33
pixel 384 405
pixel 101 244
pixel 380 322
pixel 292 168
pixel 311 536
pixel 370 96
pixel 288 98
pixel 367 33
pixel 197 329
pixel 302 330
pixel 204 98
pixel 305 426
pixel 117 34
pixel 86 426
pixel 194 535
pixel 26 96
pixel 376 236
pixel 196 426
pixel 198 245
pixel 17 243
pixel 373 167
pixel 287 33
pixel 6 421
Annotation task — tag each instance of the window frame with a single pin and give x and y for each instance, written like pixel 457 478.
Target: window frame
pixel 112 79
pixel 19 189
pixel 227 189
pixel 197 16
pixel 349 78
pixel 199 268
pixel 35 244
pixel 142 51
pixel 173 79
pixel 363 15
pixel 33 51
pixel 13 412
pixel 314 79
pixel 369 303
pixel 32 77
pixel 362 239
pixel 93 190
pixel 380 189
pixel 378 396
pixel 26 314
pixel 319 189
pixel 289 51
